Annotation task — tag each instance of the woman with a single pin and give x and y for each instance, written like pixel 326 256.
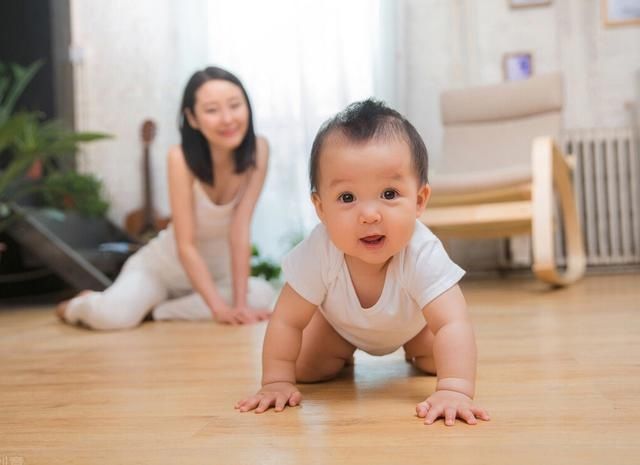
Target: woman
pixel 215 178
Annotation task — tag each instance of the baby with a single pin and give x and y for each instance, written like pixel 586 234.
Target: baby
pixel 371 276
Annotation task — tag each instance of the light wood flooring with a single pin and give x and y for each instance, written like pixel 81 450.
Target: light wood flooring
pixel 559 372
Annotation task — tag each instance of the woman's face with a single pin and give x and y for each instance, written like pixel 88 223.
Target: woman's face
pixel 220 113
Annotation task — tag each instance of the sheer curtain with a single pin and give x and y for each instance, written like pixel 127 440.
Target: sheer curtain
pixel 301 62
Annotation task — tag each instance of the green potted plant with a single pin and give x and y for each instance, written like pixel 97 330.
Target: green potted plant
pixel 261 266
pixel 75 191
pixel 31 143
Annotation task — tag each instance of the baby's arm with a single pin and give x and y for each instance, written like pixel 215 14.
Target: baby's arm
pixel 454 353
pixel 281 348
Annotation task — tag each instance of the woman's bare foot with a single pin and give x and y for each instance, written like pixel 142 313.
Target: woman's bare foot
pixel 61 308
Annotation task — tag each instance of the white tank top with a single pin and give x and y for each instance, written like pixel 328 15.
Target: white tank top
pixel 212 240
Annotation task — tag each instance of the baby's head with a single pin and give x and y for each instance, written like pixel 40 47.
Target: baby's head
pixel 368 173
pixel 366 121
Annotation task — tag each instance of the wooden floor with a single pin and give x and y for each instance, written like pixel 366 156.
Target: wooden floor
pixel 559 372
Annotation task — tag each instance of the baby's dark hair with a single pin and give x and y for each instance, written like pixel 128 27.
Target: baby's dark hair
pixel 366 120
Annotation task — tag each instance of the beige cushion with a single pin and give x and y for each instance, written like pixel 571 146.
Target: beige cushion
pixel 462 183
pixel 538 94
pixel 489 146
pixel 489 130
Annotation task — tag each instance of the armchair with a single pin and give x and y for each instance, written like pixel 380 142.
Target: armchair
pixel 502 172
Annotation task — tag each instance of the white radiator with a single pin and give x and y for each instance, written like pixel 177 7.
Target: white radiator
pixel 607 185
pixel 607 189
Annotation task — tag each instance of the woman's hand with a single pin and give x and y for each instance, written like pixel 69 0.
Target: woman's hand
pixel 240 315
pixel 450 405
pixel 257 314
pixel 278 395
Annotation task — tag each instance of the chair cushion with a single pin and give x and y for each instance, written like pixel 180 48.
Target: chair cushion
pixel 463 183
pixel 494 145
pixel 516 99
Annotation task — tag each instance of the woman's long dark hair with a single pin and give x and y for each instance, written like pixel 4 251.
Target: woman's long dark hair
pixel 194 145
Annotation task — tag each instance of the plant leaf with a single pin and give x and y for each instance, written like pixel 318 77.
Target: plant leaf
pixel 21 78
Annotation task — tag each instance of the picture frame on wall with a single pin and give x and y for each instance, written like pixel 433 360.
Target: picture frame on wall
pixel 517 66
pixel 528 3
pixel 620 12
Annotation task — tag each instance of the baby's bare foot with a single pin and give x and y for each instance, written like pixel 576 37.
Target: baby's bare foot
pixel 61 308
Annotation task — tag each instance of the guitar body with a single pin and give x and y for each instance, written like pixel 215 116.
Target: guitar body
pixel 137 224
pixel 144 223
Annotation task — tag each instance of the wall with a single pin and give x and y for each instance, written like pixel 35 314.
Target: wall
pixel 131 62
pixel 458 43
pixel 132 59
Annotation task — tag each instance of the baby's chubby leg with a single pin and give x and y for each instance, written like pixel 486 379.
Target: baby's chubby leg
pixel 323 352
pixel 419 351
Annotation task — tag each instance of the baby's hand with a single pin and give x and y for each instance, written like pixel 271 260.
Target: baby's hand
pixel 450 405
pixel 273 394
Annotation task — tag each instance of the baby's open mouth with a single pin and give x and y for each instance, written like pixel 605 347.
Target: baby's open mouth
pixel 373 240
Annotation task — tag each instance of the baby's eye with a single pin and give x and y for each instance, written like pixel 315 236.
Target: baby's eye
pixel 347 197
pixel 389 194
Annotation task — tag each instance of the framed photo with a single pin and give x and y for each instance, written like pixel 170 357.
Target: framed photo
pixel 517 66
pixel 528 3
pixel 620 12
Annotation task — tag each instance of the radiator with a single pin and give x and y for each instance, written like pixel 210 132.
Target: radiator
pixel 607 187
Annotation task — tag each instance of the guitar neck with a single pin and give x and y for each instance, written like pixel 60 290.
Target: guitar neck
pixel 148 192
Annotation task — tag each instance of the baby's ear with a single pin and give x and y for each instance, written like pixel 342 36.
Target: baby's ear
pixel 424 192
pixel 317 203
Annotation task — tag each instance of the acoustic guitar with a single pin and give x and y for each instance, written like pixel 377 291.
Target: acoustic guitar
pixel 144 223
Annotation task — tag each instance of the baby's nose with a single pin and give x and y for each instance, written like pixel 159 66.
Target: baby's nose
pixel 369 214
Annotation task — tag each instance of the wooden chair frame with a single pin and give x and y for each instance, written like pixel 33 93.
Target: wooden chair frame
pixel 523 208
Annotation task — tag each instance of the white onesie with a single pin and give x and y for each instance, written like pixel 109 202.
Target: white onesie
pixel 422 271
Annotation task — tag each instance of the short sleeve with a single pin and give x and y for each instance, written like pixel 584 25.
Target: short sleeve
pixel 304 267
pixel 431 272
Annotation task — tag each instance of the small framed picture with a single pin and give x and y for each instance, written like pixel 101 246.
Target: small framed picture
pixel 528 3
pixel 517 66
pixel 620 12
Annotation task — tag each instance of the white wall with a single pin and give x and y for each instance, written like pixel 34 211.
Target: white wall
pixel 135 57
pixel 133 60
pixel 138 55
pixel 457 43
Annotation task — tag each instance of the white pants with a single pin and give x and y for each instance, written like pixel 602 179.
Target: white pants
pixel 140 289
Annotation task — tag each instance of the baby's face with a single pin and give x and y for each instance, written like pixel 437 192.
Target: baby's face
pixel 368 197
